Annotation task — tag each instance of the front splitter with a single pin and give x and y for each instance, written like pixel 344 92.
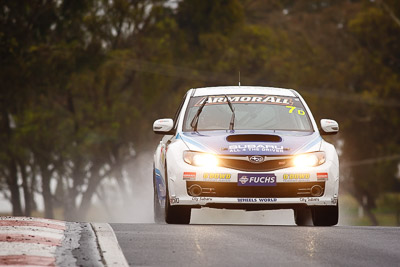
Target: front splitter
pixel 210 201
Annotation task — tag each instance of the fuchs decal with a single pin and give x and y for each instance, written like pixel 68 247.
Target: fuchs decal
pixel 256 179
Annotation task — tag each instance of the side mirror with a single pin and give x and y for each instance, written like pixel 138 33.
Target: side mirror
pixel 163 126
pixel 329 127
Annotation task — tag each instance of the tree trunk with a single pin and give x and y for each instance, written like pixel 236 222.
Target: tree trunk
pixel 94 181
pixel 12 179
pixel 371 216
pixel 69 203
pixel 12 182
pixel 46 192
pixel 27 192
pixel 367 204
pixel 32 187
pixel 70 208
pixel 122 185
pixel 87 196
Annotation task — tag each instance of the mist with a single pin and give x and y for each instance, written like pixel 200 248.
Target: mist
pixel 134 202
pixel 130 200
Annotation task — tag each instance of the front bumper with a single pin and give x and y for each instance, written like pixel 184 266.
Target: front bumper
pixel 182 175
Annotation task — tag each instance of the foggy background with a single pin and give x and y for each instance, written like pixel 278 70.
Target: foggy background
pixel 83 81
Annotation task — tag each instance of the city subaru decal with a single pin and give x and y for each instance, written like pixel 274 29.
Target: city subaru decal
pixel 256 179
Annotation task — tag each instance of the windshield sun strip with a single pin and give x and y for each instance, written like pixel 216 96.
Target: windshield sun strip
pixel 200 98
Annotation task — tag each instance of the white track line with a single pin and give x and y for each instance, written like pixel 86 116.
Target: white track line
pixel 109 247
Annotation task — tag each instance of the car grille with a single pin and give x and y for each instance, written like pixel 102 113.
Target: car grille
pixel 242 163
pixel 224 189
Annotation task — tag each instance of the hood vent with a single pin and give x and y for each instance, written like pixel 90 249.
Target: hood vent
pixel 254 138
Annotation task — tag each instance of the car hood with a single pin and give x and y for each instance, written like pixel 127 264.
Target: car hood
pixel 252 142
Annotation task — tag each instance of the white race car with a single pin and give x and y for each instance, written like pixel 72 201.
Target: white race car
pixel 245 147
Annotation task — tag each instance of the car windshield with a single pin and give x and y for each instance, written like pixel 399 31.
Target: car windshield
pixel 252 112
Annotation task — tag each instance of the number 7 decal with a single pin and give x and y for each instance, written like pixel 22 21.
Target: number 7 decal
pixel 299 111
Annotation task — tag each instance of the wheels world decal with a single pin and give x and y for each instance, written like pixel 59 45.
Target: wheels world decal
pixel 262 200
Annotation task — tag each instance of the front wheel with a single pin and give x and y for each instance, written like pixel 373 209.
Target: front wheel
pixel 176 214
pixel 325 215
pixel 302 216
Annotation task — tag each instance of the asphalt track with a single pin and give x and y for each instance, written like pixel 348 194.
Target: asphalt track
pixel 257 245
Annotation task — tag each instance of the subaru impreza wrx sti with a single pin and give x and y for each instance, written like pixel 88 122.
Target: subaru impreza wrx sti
pixel 250 148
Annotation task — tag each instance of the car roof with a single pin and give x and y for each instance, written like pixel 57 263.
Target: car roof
pixel 254 90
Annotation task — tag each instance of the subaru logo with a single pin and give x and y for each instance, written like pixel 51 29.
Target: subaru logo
pixel 256 159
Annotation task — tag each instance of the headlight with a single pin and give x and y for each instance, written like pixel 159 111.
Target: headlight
pixel 200 159
pixel 309 159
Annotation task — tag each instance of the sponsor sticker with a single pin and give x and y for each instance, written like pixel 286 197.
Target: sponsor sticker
pixel 174 200
pixel 256 179
pixel 197 199
pixel 189 175
pixel 217 176
pixel 260 200
pixel 296 177
pixel 256 148
pixel 299 111
pixel 267 199
pixel 322 176
pixel 260 99
pixel 309 199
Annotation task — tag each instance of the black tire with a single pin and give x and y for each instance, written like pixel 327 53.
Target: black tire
pixel 158 211
pixel 176 214
pixel 325 215
pixel 303 217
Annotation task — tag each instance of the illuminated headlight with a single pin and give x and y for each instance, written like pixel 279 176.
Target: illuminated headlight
pixel 309 159
pixel 200 159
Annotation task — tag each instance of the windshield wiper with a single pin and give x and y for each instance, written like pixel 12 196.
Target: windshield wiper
pixel 195 120
pixel 232 123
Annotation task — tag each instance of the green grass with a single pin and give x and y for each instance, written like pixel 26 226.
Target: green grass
pixel 386 208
